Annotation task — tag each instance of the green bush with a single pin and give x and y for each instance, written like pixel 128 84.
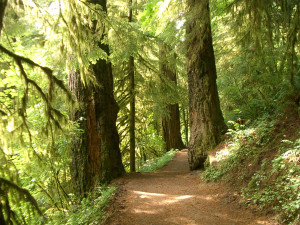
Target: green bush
pixel 90 210
pixel 278 186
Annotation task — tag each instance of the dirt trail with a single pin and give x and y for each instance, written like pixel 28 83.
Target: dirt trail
pixel 174 195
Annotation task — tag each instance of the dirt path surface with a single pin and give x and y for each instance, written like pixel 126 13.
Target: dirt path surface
pixel 174 195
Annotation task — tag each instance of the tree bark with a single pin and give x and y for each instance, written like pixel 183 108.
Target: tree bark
pixel 96 154
pixel 83 176
pixel 171 122
pixel 206 120
pixel 171 128
pixel 185 120
pixel 106 110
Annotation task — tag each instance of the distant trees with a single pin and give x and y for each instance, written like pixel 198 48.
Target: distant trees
pixel 131 73
pixel 171 120
pixel 206 120
pixel 256 46
pixel 156 85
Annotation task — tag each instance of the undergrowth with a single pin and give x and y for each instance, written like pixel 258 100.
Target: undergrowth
pixel 263 161
pixel 90 210
pixel 156 163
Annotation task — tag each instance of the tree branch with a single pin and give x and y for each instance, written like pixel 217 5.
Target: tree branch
pixel 27 196
pixel 46 70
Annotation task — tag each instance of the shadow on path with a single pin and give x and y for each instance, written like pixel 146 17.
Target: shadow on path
pixel 174 195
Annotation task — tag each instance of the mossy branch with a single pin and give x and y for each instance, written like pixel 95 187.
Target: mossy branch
pixel 46 97
pixel 46 70
pixel 23 192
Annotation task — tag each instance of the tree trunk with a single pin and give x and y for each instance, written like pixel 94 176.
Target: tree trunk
pixel 106 110
pixel 132 115
pixel 165 132
pixel 81 170
pixel 132 103
pixel 185 120
pixel 170 122
pixel 206 120
pixel 171 128
pixel 96 154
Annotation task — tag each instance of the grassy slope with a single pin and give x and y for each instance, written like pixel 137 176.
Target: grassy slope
pixel 263 163
pixel 157 163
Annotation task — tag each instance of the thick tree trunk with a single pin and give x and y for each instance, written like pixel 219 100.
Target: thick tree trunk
pixel 83 175
pixel 171 128
pixel 206 120
pixel 171 122
pixel 96 153
pixel 106 110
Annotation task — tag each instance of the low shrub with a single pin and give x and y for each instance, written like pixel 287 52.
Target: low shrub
pixel 264 167
pixel 90 210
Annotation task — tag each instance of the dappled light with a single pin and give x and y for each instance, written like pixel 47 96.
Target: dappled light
pixel 146 194
pixel 162 199
pixel 174 195
pixel 149 112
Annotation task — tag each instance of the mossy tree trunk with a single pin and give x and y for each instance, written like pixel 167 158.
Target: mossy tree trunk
pixel 83 177
pixel 96 154
pixel 206 120
pixel 171 122
pixel 106 110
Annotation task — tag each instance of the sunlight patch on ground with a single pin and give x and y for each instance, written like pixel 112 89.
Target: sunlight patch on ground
pixel 184 197
pixel 170 198
pixel 207 198
pixel 261 222
pixel 145 211
pixel 177 199
pixel 147 194
pixel 164 199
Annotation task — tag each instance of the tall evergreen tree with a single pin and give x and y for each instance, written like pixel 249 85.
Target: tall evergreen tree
pixel 206 120
pixel 96 153
pixel 170 122
pixel 132 102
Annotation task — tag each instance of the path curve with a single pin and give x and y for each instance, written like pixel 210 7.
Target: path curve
pixel 175 196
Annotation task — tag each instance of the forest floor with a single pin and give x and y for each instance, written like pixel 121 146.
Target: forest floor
pixel 175 195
